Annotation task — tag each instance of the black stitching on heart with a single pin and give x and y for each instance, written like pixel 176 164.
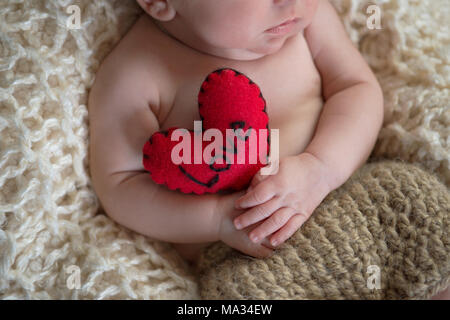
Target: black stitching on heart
pixel 209 184
pixel 219 71
pixel 201 118
pixel 211 166
pixel 239 124
pixel 146 156
pixel 264 100
pixel 224 157
pixel 242 125
pixel 165 133
pixel 233 151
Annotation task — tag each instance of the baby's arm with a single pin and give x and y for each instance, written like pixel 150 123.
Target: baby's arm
pixel 344 137
pixel 120 122
pixel 155 211
pixel 353 112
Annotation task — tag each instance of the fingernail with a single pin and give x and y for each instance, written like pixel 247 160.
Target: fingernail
pixel 274 242
pixel 237 224
pixel 254 238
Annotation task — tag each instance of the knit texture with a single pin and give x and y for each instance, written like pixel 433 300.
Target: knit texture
pixel 388 215
pixel 50 218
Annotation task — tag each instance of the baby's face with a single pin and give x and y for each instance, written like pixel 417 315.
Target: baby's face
pixel 241 25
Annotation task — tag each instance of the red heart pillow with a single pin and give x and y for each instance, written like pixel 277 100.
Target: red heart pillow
pixel 227 100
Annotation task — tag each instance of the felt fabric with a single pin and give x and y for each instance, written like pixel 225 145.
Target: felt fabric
pixel 389 219
pixel 228 100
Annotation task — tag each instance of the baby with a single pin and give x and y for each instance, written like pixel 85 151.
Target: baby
pixel 320 94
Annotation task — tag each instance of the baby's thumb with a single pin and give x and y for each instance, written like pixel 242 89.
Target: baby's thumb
pixel 260 251
pixel 265 252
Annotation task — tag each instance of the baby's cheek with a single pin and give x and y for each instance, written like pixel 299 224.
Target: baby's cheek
pixel 228 37
pixel 311 3
pixel 309 9
pixel 236 30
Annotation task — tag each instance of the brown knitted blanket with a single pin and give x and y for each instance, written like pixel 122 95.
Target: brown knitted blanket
pixel 384 234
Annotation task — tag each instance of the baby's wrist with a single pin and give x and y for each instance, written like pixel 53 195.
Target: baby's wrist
pixel 225 212
pixel 326 173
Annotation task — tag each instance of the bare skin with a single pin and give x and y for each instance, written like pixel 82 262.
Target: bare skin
pixel 143 86
pixel 127 105
pixel 321 96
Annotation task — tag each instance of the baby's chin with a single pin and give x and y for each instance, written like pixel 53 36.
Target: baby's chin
pixel 257 52
pixel 271 46
pixel 264 47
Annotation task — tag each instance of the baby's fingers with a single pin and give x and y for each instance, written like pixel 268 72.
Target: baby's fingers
pixel 261 252
pixel 257 250
pixel 285 232
pixel 275 222
pixel 258 195
pixel 257 213
pixel 266 243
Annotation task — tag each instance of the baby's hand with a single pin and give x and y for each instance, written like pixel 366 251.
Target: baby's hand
pixel 284 200
pixel 238 239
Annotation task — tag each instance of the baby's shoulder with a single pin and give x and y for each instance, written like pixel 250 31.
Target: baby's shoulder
pixel 128 73
pixel 128 59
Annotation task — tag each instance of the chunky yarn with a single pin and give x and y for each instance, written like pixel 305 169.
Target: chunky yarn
pixel 390 216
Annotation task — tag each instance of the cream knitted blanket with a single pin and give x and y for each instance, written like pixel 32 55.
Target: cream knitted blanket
pixel 51 226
